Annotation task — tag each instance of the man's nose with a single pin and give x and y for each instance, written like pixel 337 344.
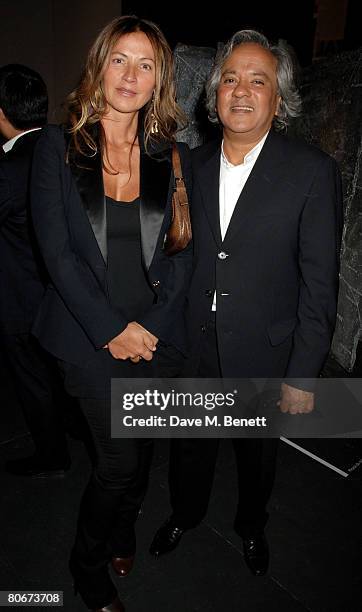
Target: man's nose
pixel 242 88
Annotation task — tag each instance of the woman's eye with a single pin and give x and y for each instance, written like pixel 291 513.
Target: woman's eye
pixel 146 67
pixel 117 60
pixel 229 80
pixel 258 82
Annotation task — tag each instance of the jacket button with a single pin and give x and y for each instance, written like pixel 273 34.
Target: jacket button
pixel 203 328
pixel 155 283
pixel 209 292
pixel 222 255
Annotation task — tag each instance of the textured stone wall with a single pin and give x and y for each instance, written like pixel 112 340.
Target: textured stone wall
pixel 193 66
pixel 332 120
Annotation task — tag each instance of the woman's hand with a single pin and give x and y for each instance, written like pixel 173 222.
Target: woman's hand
pixel 135 341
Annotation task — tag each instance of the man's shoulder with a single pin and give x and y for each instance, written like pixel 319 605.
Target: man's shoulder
pixel 205 151
pixel 21 154
pixel 16 162
pixel 297 149
pixel 52 141
pixel 54 129
pixel 53 132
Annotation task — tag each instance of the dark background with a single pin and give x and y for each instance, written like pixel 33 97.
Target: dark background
pixel 199 23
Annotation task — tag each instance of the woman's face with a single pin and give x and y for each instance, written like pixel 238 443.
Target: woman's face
pixel 130 75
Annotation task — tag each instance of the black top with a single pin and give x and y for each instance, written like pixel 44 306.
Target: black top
pixel 128 287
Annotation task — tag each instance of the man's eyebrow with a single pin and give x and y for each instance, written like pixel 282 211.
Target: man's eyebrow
pixel 253 72
pixel 228 72
pixel 260 73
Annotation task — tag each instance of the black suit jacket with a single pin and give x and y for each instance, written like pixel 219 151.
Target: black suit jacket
pixel 276 272
pixel 69 213
pixel 22 274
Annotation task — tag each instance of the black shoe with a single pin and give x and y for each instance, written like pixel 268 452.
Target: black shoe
pixel 33 467
pixel 256 554
pixel 166 538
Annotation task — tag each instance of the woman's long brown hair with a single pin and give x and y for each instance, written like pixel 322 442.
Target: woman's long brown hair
pixel 86 105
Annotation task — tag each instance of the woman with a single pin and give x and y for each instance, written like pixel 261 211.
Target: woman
pixel 101 193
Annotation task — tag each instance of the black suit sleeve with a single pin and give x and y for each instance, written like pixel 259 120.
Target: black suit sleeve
pixel 320 232
pixel 71 277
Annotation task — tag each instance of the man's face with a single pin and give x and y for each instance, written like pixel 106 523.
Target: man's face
pixel 247 98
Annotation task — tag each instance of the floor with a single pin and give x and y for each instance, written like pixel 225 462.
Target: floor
pixel 314 533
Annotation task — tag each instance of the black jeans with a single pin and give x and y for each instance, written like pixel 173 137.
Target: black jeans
pixel 118 484
pixel 110 504
pixel 193 461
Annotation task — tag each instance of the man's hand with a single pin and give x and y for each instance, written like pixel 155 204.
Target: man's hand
pixel 133 342
pixel 295 401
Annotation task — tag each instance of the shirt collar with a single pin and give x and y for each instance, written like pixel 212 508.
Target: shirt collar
pixel 10 143
pixel 248 159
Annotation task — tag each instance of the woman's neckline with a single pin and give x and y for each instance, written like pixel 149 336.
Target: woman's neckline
pixel 122 201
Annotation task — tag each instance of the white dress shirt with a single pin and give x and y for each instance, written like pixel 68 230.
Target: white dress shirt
pixel 231 183
pixel 10 143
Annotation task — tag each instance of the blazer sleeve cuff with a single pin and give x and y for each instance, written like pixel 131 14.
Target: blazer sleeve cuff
pixel 112 328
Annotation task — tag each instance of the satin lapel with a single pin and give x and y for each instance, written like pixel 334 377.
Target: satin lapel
pixel 208 180
pixel 154 191
pixel 89 181
pixel 267 170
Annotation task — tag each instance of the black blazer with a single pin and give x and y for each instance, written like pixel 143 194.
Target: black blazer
pixel 69 215
pixel 22 274
pixel 276 272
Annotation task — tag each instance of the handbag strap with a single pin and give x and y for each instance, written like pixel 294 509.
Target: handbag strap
pixel 179 181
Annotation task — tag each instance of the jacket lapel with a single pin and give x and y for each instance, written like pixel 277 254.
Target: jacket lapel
pixel 209 179
pixel 87 172
pixel 155 188
pixel 256 192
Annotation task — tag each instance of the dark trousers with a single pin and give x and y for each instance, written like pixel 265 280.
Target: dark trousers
pixel 193 461
pixel 110 504
pixel 112 499
pixel 38 387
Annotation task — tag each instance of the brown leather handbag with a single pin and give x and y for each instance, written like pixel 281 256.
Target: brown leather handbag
pixel 179 233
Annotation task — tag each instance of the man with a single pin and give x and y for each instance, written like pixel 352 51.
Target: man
pixel 267 218
pixel 23 112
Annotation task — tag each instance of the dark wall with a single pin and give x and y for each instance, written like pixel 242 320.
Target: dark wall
pixel 205 24
pixel 332 111
pixel 52 36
